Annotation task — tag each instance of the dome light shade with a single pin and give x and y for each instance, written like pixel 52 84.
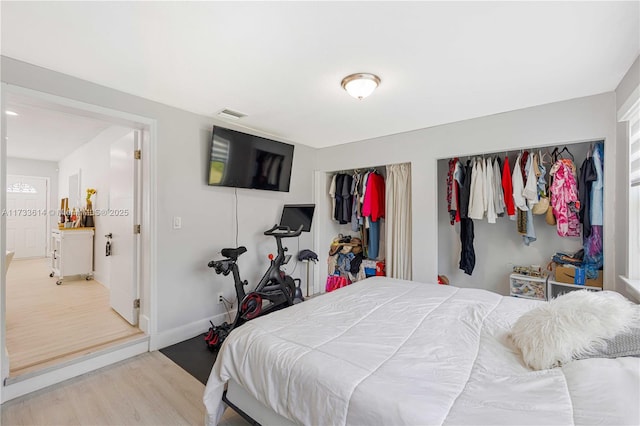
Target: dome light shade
pixel 360 85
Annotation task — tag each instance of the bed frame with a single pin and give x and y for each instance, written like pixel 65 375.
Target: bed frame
pixel 252 410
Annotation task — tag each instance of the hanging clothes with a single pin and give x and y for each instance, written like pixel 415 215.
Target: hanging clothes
pixel 597 186
pixel 477 203
pixel 374 208
pixel 593 246
pixel 458 176
pixel 564 198
pixel 464 180
pixel 332 194
pixel 467 254
pixel 517 180
pixel 490 206
pixel 587 176
pixel 355 203
pixel 451 199
pixel 345 214
pixel 507 189
pixel 499 204
pixel 530 193
pixel 373 204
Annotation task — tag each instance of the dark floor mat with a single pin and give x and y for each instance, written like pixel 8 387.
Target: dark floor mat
pixel 193 356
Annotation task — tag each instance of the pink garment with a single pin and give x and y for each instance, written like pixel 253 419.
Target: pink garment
pixel 564 199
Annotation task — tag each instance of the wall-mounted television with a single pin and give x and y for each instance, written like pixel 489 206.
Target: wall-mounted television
pixel 294 215
pixel 242 160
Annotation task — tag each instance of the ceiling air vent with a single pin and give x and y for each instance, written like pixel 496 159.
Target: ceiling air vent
pixel 229 113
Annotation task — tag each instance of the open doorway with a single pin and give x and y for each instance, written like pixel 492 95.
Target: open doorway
pixel 56 311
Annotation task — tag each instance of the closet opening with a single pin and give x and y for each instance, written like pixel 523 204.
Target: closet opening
pixel 480 244
pixel 364 224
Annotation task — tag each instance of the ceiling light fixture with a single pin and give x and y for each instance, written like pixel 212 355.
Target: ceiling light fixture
pixel 10 113
pixel 360 85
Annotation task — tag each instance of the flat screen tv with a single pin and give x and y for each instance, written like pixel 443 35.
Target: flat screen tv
pixel 294 215
pixel 246 161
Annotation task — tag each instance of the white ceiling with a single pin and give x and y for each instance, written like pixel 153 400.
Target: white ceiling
pixel 40 132
pixel 282 62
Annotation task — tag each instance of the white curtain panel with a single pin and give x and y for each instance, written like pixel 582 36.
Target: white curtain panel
pixel 398 221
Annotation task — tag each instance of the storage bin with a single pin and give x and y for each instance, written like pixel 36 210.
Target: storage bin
pixel 528 287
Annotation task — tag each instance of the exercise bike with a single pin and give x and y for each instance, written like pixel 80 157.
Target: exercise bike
pixel 275 290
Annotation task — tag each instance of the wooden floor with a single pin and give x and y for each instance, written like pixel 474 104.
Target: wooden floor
pixel 145 390
pixel 48 323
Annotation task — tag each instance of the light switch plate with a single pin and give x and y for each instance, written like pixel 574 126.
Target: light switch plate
pixel 177 222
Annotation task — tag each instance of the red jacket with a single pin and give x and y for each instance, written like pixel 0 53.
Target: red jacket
pixel 373 204
pixel 507 187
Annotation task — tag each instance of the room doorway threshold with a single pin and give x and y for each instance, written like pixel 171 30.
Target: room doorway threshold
pixel 77 357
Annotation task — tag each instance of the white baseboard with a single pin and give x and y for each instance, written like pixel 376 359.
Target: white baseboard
pixel 38 380
pixel 5 366
pixel 179 334
pixel 143 324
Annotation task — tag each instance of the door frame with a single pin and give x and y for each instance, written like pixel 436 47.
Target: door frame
pixel 47 240
pixel 148 260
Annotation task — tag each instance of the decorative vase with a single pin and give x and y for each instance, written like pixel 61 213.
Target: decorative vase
pixel 88 220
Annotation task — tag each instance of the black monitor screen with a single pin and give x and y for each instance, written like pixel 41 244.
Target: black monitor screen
pixel 294 215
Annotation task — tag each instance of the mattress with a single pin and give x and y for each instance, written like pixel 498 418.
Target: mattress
pixel 385 351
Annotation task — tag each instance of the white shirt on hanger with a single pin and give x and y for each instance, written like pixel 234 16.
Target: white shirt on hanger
pixel 517 181
pixel 476 195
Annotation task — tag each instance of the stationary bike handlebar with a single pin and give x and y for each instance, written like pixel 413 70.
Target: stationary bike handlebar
pixel 283 231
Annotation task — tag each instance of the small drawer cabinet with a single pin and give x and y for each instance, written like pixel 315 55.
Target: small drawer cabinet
pixel 528 287
pixel 72 253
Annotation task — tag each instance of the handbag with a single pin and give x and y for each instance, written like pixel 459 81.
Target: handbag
pixel 550 218
pixel 335 282
pixel 541 206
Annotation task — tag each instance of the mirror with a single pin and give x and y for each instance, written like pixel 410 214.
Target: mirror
pixel 75 197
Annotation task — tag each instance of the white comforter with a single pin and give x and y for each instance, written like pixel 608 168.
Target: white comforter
pixel 392 352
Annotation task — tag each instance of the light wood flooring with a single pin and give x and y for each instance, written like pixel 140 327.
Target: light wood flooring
pixel 48 323
pixel 145 390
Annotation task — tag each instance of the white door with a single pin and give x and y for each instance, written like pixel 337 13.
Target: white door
pixel 27 216
pixel 123 214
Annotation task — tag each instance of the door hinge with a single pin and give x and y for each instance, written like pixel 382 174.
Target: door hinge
pixel 137 154
pixel 136 304
pixel 136 229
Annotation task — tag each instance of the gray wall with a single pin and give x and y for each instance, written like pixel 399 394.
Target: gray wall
pixel 577 120
pixel 186 290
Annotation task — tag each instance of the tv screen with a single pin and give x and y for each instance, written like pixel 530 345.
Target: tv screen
pixel 294 215
pixel 246 161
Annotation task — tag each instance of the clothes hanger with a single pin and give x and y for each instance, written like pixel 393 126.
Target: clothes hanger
pixel 565 149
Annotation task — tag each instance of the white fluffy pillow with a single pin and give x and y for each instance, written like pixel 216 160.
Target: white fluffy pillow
pixel 555 332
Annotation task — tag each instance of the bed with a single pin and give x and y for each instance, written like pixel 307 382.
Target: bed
pixel 389 352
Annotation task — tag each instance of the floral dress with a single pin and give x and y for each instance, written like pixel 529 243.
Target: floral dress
pixel 564 198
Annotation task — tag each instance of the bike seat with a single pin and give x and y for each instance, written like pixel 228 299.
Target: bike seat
pixel 233 253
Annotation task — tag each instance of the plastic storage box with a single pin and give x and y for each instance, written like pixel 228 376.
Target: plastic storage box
pixel 528 287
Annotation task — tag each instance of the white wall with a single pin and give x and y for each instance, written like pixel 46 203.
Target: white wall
pixel 185 288
pixel 48 169
pixel 628 87
pixel 576 120
pixel 92 160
